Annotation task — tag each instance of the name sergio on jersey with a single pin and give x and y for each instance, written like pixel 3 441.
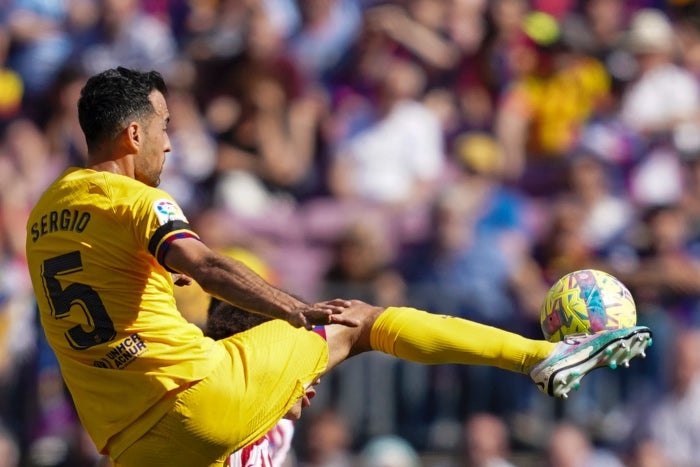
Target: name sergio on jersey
pixel 57 221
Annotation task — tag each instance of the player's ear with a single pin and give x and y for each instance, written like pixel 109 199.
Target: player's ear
pixel 132 135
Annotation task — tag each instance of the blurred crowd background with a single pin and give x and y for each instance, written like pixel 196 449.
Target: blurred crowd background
pixel 453 155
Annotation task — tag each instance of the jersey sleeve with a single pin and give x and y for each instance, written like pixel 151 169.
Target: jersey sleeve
pixel 158 222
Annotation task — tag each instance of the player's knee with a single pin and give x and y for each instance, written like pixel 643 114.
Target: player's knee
pixel 364 313
pixel 345 341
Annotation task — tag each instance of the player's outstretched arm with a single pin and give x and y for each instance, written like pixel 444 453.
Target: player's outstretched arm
pixel 232 281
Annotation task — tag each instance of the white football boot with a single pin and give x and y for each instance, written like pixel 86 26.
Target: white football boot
pixel 578 354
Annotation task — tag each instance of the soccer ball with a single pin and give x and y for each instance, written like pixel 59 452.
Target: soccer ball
pixel 586 301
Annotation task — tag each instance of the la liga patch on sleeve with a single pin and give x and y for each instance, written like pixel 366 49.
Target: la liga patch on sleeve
pixel 167 211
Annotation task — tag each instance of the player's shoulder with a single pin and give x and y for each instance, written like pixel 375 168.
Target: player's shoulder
pixel 127 187
pixel 108 191
pixel 89 182
pixel 126 194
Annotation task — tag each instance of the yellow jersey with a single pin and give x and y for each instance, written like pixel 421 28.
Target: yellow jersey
pixel 95 246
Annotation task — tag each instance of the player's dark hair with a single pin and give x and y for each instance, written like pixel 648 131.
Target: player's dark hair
pixel 224 319
pixel 110 99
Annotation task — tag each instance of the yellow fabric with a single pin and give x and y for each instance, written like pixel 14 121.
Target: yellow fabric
pixel 264 373
pixel 423 337
pixel 106 304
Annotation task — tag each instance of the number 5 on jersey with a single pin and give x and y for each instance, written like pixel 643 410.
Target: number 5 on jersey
pixel 83 296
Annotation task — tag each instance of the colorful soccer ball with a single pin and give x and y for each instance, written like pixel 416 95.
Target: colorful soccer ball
pixel 586 301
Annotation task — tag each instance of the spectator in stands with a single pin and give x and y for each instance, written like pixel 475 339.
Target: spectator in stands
pixel 10 82
pixel 9 449
pixel 504 22
pixel 646 452
pixel 395 164
pixel 555 90
pixel 40 44
pixel 688 34
pixel 418 32
pixel 326 441
pixel 193 158
pixel 327 30
pixel 667 276
pixel 388 451
pixel 129 36
pixel 570 446
pixel 690 198
pixel 596 28
pixel 269 142
pixel 463 266
pixel 486 442
pixel 652 40
pixel 62 129
pixel 362 265
pixel 598 189
pixel 561 245
pixel 661 105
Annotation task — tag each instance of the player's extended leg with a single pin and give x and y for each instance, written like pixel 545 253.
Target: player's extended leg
pixel 428 338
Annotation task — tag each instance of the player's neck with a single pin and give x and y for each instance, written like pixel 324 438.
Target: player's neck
pixel 120 166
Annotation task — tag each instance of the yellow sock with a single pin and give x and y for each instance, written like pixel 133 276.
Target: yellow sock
pixel 423 337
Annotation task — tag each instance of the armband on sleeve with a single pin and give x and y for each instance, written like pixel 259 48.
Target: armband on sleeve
pixel 165 235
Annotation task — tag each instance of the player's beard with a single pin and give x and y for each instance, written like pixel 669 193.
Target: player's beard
pixel 150 175
pixel 150 179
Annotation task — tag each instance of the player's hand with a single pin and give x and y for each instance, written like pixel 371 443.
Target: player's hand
pixel 329 312
pixel 181 280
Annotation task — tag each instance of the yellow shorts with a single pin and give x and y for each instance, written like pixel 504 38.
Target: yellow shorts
pixel 264 374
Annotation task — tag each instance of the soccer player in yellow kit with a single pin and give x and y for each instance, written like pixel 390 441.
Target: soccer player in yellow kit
pixel 104 245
